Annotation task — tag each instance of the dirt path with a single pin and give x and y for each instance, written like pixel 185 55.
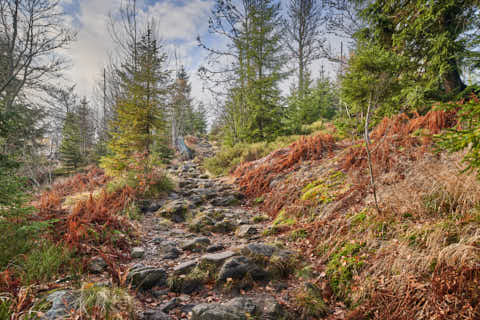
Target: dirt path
pixel 202 256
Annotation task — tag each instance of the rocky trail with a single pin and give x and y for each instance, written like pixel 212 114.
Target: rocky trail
pixel 202 256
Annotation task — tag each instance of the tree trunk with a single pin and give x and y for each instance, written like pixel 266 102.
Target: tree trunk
pixel 452 80
pixel 367 146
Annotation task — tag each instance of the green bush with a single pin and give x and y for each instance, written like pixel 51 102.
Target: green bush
pixel 157 184
pixel 17 231
pixel 229 157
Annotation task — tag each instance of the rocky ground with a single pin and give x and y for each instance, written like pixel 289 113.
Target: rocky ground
pixel 202 256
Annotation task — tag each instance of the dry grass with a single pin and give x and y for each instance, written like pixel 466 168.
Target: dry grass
pixel 417 259
pixel 92 223
pixel 255 178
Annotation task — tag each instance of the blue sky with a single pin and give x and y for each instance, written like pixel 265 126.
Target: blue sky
pixel 179 23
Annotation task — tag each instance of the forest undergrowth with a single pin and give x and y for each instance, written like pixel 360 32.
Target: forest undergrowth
pixel 87 215
pixel 415 258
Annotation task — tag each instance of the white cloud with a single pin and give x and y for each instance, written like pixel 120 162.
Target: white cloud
pixel 178 24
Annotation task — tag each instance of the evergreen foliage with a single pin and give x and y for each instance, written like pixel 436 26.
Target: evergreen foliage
pixel 252 108
pixel 437 38
pixel 70 148
pixel 372 80
pixel 78 132
pixel 140 112
pixel 318 102
pixel 466 135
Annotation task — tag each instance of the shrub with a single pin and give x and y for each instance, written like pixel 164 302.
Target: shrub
pixel 17 229
pixel 465 135
pixel 230 157
pixel 97 302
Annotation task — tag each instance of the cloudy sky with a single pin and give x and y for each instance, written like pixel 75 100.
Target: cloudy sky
pixel 179 23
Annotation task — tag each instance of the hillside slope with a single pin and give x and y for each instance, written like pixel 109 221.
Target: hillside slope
pixel 416 258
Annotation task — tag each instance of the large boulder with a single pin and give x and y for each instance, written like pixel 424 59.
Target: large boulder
pixel 174 210
pixel 236 309
pixel 197 244
pixel 241 308
pixel 240 267
pixel 144 277
pixel 62 302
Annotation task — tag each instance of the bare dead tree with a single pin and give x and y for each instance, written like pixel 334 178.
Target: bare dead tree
pixel 341 21
pixel 31 32
pixel 304 39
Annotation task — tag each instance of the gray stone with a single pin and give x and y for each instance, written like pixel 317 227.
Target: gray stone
pixel 158 240
pixel 215 248
pixel 97 265
pixel 236 309
pixel 146 277
pixel 216 258
pixel 168 250
pixel 246 231
pixel 62 301
pixel 272 310
pixel 258 249
pixel 197 244
pixel 185 267
pixel 184 183
pixel 170 305
pixel 238 267
pixel 174 210
pixel 201 223
pixel 224 201
pixel 196 200
pixel 137 253
pixel 224 226
pixel 154 206
pixel 155 315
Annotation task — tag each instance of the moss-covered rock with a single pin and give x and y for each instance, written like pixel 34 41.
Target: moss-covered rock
pixel 188 283
pixel 175 210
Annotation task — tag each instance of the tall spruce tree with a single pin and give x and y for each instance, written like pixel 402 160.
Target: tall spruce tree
pixel 182 114
pixel 200 119
pixel 250 104
pixel 70 148
pixel 140 110
pixel 86 128
pixel 266 60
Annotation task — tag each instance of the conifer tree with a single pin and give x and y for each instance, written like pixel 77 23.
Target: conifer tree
pixel 182 106
pixel 70 148
pixel 266 58
pixel 200 119
pixel 140 110
pixel 251 109
pixel 86 128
